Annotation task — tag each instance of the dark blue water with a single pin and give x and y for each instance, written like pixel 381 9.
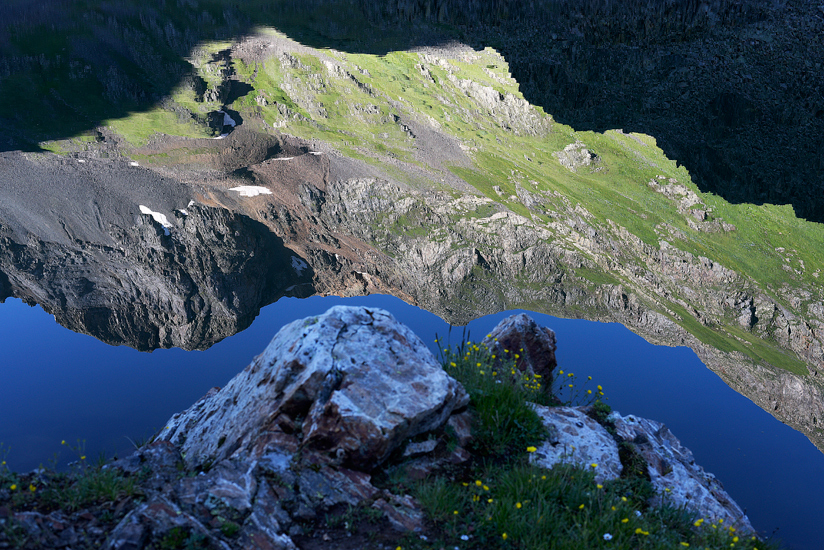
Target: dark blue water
pixel 55 385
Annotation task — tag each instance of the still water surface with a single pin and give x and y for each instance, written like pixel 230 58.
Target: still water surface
pixel 56 384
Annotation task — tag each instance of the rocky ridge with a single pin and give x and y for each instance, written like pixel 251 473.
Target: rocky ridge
pixel 150 287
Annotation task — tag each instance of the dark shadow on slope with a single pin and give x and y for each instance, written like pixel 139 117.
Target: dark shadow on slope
pixel 729 89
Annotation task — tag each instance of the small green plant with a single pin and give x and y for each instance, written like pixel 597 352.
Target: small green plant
pixel 229 528
pixel 505 423
pixel 352 517
pixel 569 392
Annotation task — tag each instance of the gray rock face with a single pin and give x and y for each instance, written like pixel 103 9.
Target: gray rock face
pixel 576 155
pixel 205 280
pixel 676 477
pixel 578 439
pixel 353 383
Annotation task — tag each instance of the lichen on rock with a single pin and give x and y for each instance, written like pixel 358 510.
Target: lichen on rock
pixel 353 383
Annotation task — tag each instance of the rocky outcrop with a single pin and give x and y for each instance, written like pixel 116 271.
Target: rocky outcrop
pixel 677 479
pixel 352 383
pixel 575 438
pixel 575 156
pixel 291 444
pixel 532 347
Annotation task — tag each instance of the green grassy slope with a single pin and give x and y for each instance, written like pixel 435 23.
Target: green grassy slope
pixel 363 105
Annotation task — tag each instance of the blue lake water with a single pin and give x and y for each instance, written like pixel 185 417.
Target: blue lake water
pixel 56 384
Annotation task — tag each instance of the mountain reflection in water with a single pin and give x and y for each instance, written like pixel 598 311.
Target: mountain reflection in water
pixel 57 385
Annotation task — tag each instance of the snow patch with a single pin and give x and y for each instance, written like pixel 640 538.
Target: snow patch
pixel 133 163
pixel 315 152
pixel 158 217
pixel 298 265
pixel 251 190
pixel 183 211
pixel 284 158
pixel 81 161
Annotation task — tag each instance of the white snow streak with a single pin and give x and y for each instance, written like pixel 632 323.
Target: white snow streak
pixel 158 217
pixel 251 190
pixel 298 265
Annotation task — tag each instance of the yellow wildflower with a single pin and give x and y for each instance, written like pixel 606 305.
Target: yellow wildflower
pixel 504 536
pixel 518 505
pixel 532 449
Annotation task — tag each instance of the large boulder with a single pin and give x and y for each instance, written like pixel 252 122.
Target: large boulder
pixel 352 384
pixel 520 338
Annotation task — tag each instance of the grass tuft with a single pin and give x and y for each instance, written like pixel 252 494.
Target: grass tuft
pixel 501 500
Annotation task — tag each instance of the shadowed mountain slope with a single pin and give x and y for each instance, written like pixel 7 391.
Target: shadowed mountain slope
pixel 732 90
